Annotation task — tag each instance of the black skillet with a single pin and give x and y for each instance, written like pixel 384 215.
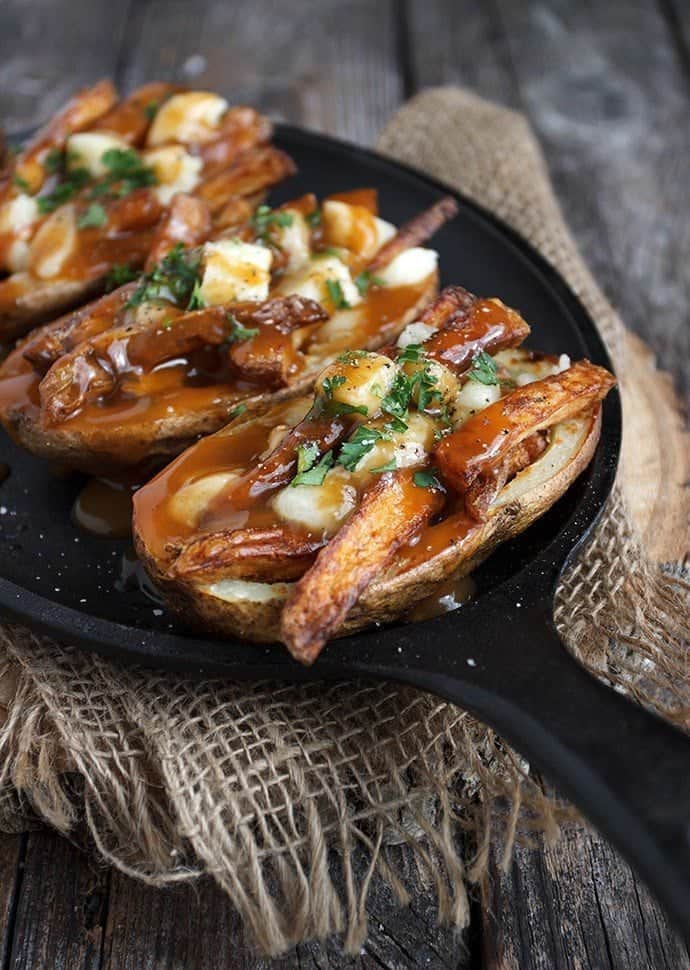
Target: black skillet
pixel 499 657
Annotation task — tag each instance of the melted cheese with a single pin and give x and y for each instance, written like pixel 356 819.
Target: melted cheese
pixel 355 228
pixel 54 243
pixel 295 241
pixel 408 267
pixel 322 508
pixel 359 381
pixel 18 213
pixel 86 150
pixel 235 270
pixel 175 170
pixel 313 279
pixel 189 118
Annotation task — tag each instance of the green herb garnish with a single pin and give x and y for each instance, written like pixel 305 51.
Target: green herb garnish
pixel 331 383
pixel 395 425
pixel 335 292
pixel 238 332
pixel 359 445
pixel 22 184
pixel 265 218
pixel 313 218
pixel 94 217
pixel 483 369
pixel 426 479
pixel 397 401
pixel 74 181
pixel 196 300
pixel 237 411
pixel 312 474
pixel 150 110
pixel 53 160
pixel 390 466
pixel 412 353
pixel 126 172
pixel 365 279
pixel 174 279
pixel 119 275
pixel 327 251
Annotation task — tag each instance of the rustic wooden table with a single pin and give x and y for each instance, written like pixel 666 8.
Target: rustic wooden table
pixel 606 88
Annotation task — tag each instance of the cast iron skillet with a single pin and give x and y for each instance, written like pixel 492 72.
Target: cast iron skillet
pixel 499 657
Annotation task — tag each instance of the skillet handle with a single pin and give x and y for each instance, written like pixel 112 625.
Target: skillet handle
pixel 627 770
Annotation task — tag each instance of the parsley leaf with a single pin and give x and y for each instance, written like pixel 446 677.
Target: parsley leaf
pixel 126 167
pixel 483 369
pixel 75 180
pixel 395 424
pixel 237 411
pixel 390 466
pixel 339 407
pixel 196 300
pixel 307 456
pixel 397 401
pixel 331 383
pixel 94 217
pixel 313 218
pixel 359 445
pixel 238 332
pixel 426 479
pixel 327 251
pixel 53 160
pixel 174 279
pixel 427 392
pixel 22 184
pixel 364 280
pixel 264 218
pixel 150 110
pixel 119 275
pixel 335 292
pixel 313 474
pixel 412 353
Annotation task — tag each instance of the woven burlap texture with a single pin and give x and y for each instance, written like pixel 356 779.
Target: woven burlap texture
pixel 273 789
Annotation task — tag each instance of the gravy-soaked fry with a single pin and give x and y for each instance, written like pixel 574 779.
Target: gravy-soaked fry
pixel 415 232
pixel 392 511
pixel 274 554
pixel 487 326
pixel 480 445
pixel 186 221
pixel 242 128
pixel 278 469
pixel 141 209
pixel 130 119
pixel 483 491
pixel 252 172
pixel 64 334
pixel 80 112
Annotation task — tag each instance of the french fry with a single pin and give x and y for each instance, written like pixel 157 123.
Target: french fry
pixel 186 221
pixel 275 554
pixel 478 447
pixel 392 511
pixel 252 172
pixel 415 232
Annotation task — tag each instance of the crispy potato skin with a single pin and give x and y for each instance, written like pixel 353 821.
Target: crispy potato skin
pixel 387 597
pixel 96 452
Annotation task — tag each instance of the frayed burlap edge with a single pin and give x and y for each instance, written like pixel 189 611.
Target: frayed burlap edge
pixel 291 796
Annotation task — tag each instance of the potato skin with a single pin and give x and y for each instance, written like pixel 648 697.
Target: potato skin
pixel 389 597
pixel 97 452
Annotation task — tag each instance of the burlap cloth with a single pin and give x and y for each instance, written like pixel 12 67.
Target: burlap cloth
pixel 271 788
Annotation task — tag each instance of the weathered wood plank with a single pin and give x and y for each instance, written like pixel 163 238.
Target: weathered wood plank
pixel 606 93
pixel 194 926
pixel 574 906
pixel 326 64
pixel 49 49
pixel 11 862
pixel 60 907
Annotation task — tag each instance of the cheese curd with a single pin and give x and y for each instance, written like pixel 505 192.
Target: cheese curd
pixel 415 333
pixel 175 170
pixel 358 381
pixel 320 509
pixel 189 118
pixel 313 280
pixel 409 267
pixel 87 148
pixel 354 227
pixel 295 241
pixel 234 270
pixel 54 243
pixel 474 396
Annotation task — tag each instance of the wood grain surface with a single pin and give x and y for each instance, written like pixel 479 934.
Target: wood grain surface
pixel 606 88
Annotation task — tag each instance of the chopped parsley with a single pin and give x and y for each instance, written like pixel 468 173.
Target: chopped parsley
pixel 22 184
pixel 53 160
pixel 94 217
pixel 335 292
pixel 483 369
pixel 313 218
pixel 265 218
pixel 126 172
pixel 237 411
pixel 426 479
pixel 238 332
pixel 327 251
pixel 196 300
pixel 331 383
pixel 395 424
pixel 412 353
pixel 427 393
pixel 150 110
pixel 74 181
pixel 119 275
pixel 397 401
pixel 174 279
pixel 339 407
pixel 359 445
pixel 364 280
pixel 351 356
pixel 390 466
pixel 312 472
